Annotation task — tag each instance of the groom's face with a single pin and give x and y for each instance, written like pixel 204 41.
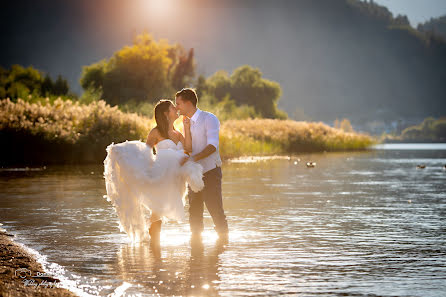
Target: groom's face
pixel 180 105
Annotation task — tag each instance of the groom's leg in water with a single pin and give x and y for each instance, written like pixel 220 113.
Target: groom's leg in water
pixel 196 208
pixel 212 196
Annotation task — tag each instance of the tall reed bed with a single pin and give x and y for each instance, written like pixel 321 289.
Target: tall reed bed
pixel 268 136
pixel 64 132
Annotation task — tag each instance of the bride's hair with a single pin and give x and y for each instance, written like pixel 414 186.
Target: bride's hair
pixel 162 123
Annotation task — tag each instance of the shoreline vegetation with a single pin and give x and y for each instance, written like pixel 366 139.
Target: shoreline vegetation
pixel 44 131
pixel 31 280
pixel 431 130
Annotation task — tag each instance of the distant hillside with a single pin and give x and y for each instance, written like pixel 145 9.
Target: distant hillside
pixel 435 26
pixel 333 58
pixel 337 58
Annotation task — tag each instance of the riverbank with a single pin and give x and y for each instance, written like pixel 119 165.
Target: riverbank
pixel 22 275
pixel 67 132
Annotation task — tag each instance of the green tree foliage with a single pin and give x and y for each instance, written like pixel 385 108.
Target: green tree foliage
pixel 93 75
pixel 19 82
pixel 227 109
pixel 144 72
pixel 246 87
pixel 201 86
pixel 60 86
pixel 430 130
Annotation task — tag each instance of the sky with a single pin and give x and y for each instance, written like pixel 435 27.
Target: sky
pixel 418 11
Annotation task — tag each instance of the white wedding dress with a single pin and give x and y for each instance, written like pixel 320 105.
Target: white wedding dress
pixel 139 182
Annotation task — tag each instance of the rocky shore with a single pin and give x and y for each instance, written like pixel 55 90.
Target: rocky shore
pixel 22 275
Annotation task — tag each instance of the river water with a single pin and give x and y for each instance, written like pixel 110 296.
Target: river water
pixel 357 224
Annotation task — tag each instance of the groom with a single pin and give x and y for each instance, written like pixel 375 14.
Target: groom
pixel 204 129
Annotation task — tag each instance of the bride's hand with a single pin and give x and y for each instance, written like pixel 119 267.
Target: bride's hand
pixel 184 160
pixel 186 123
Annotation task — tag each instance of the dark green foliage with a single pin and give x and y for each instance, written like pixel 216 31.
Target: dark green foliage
pixel 20 82
pixel 430 130
pixel 93 75
pixel 246 87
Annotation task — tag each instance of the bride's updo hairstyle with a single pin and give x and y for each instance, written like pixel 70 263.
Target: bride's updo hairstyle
pixel 162 123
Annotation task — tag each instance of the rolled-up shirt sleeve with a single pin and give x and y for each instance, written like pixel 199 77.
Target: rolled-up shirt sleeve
pixel 212 130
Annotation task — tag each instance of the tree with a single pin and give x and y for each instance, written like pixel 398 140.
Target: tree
pixel 200 86
pixel 184 69
pixel 144 72
pixel 60 87
pixel 247 87
pixel 93 75
pixel 19 82
pixel 346 126
pixel 47 85
pixel 219 85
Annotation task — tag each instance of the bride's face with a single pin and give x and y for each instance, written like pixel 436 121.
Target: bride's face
pixel 172 114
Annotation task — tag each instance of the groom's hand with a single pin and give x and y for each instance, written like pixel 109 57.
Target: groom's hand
pixel 186 123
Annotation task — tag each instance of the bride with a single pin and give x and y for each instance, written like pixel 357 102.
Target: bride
pixel 140 183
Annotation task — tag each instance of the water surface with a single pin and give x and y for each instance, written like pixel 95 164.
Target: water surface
pixel 358 224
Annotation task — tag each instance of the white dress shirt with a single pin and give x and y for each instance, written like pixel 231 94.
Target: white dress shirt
pixel 204 129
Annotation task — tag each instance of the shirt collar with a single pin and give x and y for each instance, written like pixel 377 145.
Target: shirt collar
pixel 195 116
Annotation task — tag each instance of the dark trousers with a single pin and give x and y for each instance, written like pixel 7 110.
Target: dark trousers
pixel 211 196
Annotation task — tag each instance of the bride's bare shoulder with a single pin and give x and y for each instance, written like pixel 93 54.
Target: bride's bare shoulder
pixel 153 137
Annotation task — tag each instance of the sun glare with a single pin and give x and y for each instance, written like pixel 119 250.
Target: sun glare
pixel 158 8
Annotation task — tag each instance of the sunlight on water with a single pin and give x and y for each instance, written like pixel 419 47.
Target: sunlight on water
pixel 356 224
pixel 410 146
pixel 254 159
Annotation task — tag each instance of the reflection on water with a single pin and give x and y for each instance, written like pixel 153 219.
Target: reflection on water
pixel 170 271
pixel 356 224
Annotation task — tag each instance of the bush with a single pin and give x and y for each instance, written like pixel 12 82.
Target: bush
pixel 64 131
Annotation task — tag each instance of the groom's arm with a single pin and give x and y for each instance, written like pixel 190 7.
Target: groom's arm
pixel 212 126
pixel 207 151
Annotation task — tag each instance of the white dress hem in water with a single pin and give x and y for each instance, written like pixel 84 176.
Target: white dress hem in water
pixel 139 182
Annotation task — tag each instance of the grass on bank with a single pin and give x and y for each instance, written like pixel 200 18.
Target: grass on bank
pixel 63 131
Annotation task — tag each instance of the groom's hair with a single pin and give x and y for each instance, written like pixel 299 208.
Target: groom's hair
pixel 188 94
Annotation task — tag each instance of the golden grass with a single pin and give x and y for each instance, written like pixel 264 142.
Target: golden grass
pixel 64 131
pixel 287 136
